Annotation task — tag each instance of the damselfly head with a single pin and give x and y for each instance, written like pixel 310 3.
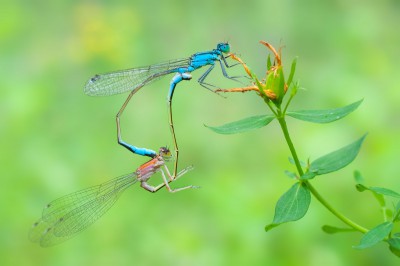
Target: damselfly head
pixel 224 47
pixel 165 153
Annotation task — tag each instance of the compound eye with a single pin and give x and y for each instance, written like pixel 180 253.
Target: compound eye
pixel 227 48
pixel 224 47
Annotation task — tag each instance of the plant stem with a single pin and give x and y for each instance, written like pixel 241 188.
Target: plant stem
pixel 333 211
pixel 282 122
pixel 318 196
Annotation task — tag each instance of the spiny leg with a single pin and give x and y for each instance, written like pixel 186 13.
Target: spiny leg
pixel 234 57
pixel 235 78
pixel 226 62
pixel 175 80
pixel 206 85
pixel 166 182
pixel 203 77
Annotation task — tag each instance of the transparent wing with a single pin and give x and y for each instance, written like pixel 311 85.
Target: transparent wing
pixel 130 79
pixel 70 214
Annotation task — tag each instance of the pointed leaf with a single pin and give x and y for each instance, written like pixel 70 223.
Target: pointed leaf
pixel 375 235
pixel 270 226
pixel 261 88
pixel 385 191
pixel 324 116
pixel 358 177
pixel 379 198
pixel 276 82
pixel 396 217
pixel 243 125
pixel 308 175
pixel 389 213
pixel 269 64
pixel 334 160
pixel 302 163
pixel 292 71
pixel 290 174
pixel 333 230
pixel 295 88
pixel 292 205
pixel 394 246
pixel 361 187
pixel 395 242
pixel 379 192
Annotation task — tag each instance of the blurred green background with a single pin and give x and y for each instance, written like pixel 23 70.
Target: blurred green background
pixel 56 140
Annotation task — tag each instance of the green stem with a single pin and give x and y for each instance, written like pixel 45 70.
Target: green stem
pixel 318 196
pixel 282 122
pixel 333 211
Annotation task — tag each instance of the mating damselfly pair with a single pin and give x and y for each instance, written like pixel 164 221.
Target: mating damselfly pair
pixel 65 217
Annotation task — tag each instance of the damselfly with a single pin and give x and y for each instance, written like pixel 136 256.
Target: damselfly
pixel 64 217
pixel 135 78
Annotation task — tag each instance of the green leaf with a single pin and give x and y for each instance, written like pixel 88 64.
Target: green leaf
pixel 292 70
pixel 396 217
pixel 270 226
pixel 302 163
pixel 261 88
pixel 379 198
pixel 279 86
pixel 389 213
pixel 335 160
pixel 361 187
pixel 394 246
pixel 308 175
pixel 385 191
pixel 292 205
pixel 333 230
pixel 358 177
pixel 324 116
pixel 269 64
pixel 275 81
pixel 295 88
pixel 379 192
pixel 243 125
pixel 291 174
pixel 375 235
